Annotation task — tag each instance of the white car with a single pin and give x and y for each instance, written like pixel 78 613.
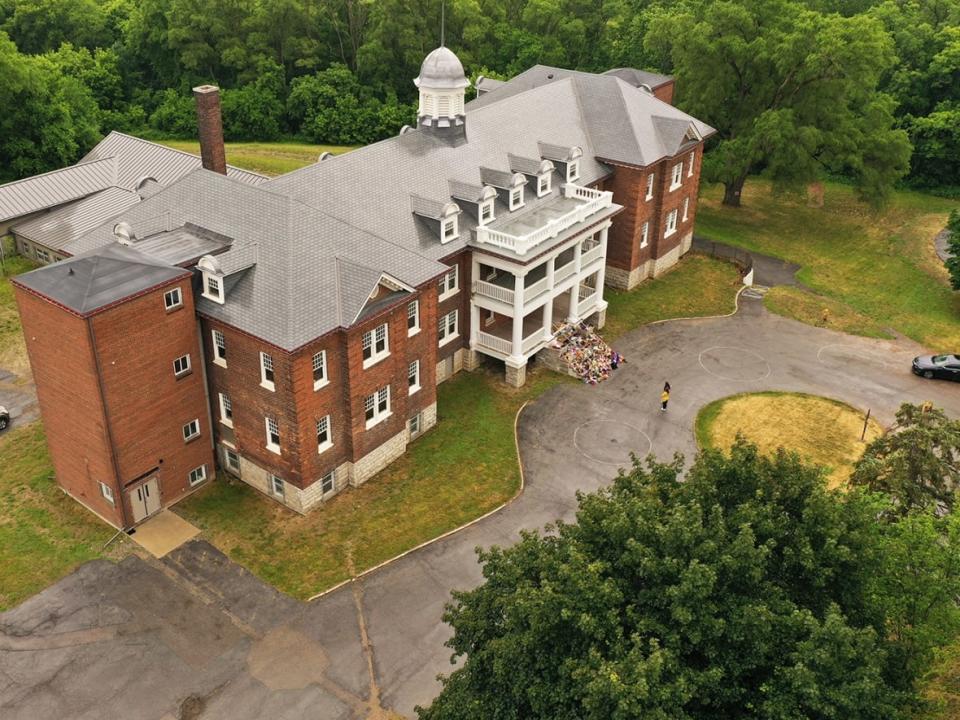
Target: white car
pixel 4 418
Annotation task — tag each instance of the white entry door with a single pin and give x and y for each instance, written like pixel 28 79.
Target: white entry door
pixel 145 499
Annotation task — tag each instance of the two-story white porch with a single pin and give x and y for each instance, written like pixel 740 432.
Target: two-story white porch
pixel 539 269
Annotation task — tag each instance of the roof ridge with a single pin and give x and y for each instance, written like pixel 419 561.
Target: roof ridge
pixel 176 150
pixel 60 170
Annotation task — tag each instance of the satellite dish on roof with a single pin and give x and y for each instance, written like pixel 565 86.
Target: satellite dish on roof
pixel 325 155
pixel 124 233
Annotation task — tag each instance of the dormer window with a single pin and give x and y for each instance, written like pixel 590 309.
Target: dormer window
pixel 213 287
pixel 449 229
pixel 543 184
pixel 573 170
pixel 486 212
pixel 516 198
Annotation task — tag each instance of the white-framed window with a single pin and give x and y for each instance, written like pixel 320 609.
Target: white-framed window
pixel 448 327
pixel 693 156
pixel 266 371
pixel 107 492
pixel 650 178
pixel 191 430
pixel 319 366
pixel 671 223
pixel 273 434
pixel 324 434
pixel 376 407
pixel 415 425
pixel 198 475
pixel 686 208
pixel 543 184
pixel 449 284
pixel 172 299
pixel 219 349
pixel 485 214
pixel 213 287
pixel 181 366
pixel 449 229
pixel 677 176
pixel 376 345
pixel 226 410
pixel 328 482
pixel 233 460
pixel 573 170
pixel 645 234
pixel 413 377
pixel 413 317
pixel 276 485
pixel 516 197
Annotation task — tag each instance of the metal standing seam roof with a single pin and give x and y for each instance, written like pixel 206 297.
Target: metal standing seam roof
pixel 60 226
pixel 30 195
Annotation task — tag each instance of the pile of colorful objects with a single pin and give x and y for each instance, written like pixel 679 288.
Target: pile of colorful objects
pixel 585 352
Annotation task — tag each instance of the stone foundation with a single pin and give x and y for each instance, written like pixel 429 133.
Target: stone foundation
pixel 471 360
pixel 627 280
pixel 516 376
pixel 447 369
pixel 378 458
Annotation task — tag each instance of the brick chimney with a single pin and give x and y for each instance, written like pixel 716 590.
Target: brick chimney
pixel 210 128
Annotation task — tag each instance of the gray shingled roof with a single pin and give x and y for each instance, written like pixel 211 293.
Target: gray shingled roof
pixel 640 77
pixel 63 225
pixel 40 192
pixel 98 278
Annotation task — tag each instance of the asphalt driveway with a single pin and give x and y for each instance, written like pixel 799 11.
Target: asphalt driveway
pixel 196 636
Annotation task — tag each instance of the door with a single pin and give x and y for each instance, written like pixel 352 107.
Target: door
pixel 145 500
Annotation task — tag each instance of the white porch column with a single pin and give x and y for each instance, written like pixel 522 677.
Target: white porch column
pixel 572 315
pixel 474 324
pixel 548 308
pixel 517 339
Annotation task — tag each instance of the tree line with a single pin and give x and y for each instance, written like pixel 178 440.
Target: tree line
pixel 866 89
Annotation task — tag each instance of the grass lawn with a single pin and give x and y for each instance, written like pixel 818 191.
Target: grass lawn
pixel 822 431
pixel 44 534
pixel 268 158
pixel 942 687
pixel 822 311
pixel 695 287
pixel 879 264
pixel 13 350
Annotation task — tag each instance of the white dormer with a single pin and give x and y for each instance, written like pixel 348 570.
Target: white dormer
pixel 212 278
pixel 516 198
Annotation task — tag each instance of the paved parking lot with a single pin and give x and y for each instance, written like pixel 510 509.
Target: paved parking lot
pixel 195 636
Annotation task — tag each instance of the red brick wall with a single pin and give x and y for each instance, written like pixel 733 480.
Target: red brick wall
pixel 665 92
pixel 64 370
pixel 137 342
pixel 673 199
pixel 461 302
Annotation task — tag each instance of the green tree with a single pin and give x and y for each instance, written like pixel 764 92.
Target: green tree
pixel 791 91
pixel 917 463
pixel 38 26
pixel 746 591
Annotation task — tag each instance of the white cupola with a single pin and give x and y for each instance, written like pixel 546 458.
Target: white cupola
pixel 442 85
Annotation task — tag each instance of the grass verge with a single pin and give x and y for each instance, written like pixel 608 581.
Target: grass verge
pixel 44 534
pixel 821 430
pixel 13 350
pixel 821 311
pixel 880 263
pixel 267 158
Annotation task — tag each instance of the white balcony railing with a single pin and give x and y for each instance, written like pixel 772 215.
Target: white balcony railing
pixel 590 255
pixel 534 289
pixel 490 290
pixel 593 200
pixel 586 291
pixel 587 303
pixel 495 343
pixel 529 343
pixel 562 273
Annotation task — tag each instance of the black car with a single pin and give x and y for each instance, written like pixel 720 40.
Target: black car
pixel 946 367
pixel 4 418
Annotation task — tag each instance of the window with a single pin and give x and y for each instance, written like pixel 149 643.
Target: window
pixel 448 284
pixel 328 482
pixel 376 345
pixel 198 475
pixel 486 212
pixel 693 156
pixel 107 492
pixel 413 376
pixel 191 430
pixel 181 366
pixel 415 425
pixel 43 256
pixel 319 364
pixel 226 410
pixel 686 207
pixel 449 229
pixel 413 317
pixel 233 460
pixel 649 187
pixel 219 349
pixel 266 371
pixel 573 170
pixel 273 435
pixel 276 486
pixel 677 175
pixel 213 288
pixel 324 438
pixel 516 197
pixel 644 234
pixel 671 224
pixel 543 184
pixel 448 327
pixel 376 407
pixel 172 299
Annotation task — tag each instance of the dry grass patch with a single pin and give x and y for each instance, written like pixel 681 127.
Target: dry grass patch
pixel 13 349
pixel 821 311
pixel 822 431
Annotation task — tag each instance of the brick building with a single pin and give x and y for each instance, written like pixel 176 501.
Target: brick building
pixel 294 331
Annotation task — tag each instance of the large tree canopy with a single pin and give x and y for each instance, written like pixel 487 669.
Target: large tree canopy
pixel 747 591
pixel 791 91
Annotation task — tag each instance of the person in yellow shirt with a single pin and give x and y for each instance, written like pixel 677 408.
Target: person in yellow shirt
pixel 665 397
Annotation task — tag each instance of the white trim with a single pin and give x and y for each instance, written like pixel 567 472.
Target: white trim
pixel 265 382
pixel 272 446
pixel 415 420
pixel 226 410
pixel 372 403
pixel 415 305
pixel 448 328
pixel 107 493
pixel 573 170
pixel 693 157
pixel 444 287
pixel 195 478
pixel 173 298
pixel 217 348
pixel 184 370
pixel 190 430
pixel 650 179
pixel 370 340
pixel 215 293
pixel 328 430
pixel 543 184
pixel 677 178
pixel 276 482
pixel 485 206
pixel 449 229
pixel 322 366
pixel 415 367
pixel 671 223
pixel 227 452
pixel 686 208
pixel 332 476
pixel 516 198
pixel 645 234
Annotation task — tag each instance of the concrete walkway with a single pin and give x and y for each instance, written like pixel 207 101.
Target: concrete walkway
pixel 164 532
pixel 195 635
